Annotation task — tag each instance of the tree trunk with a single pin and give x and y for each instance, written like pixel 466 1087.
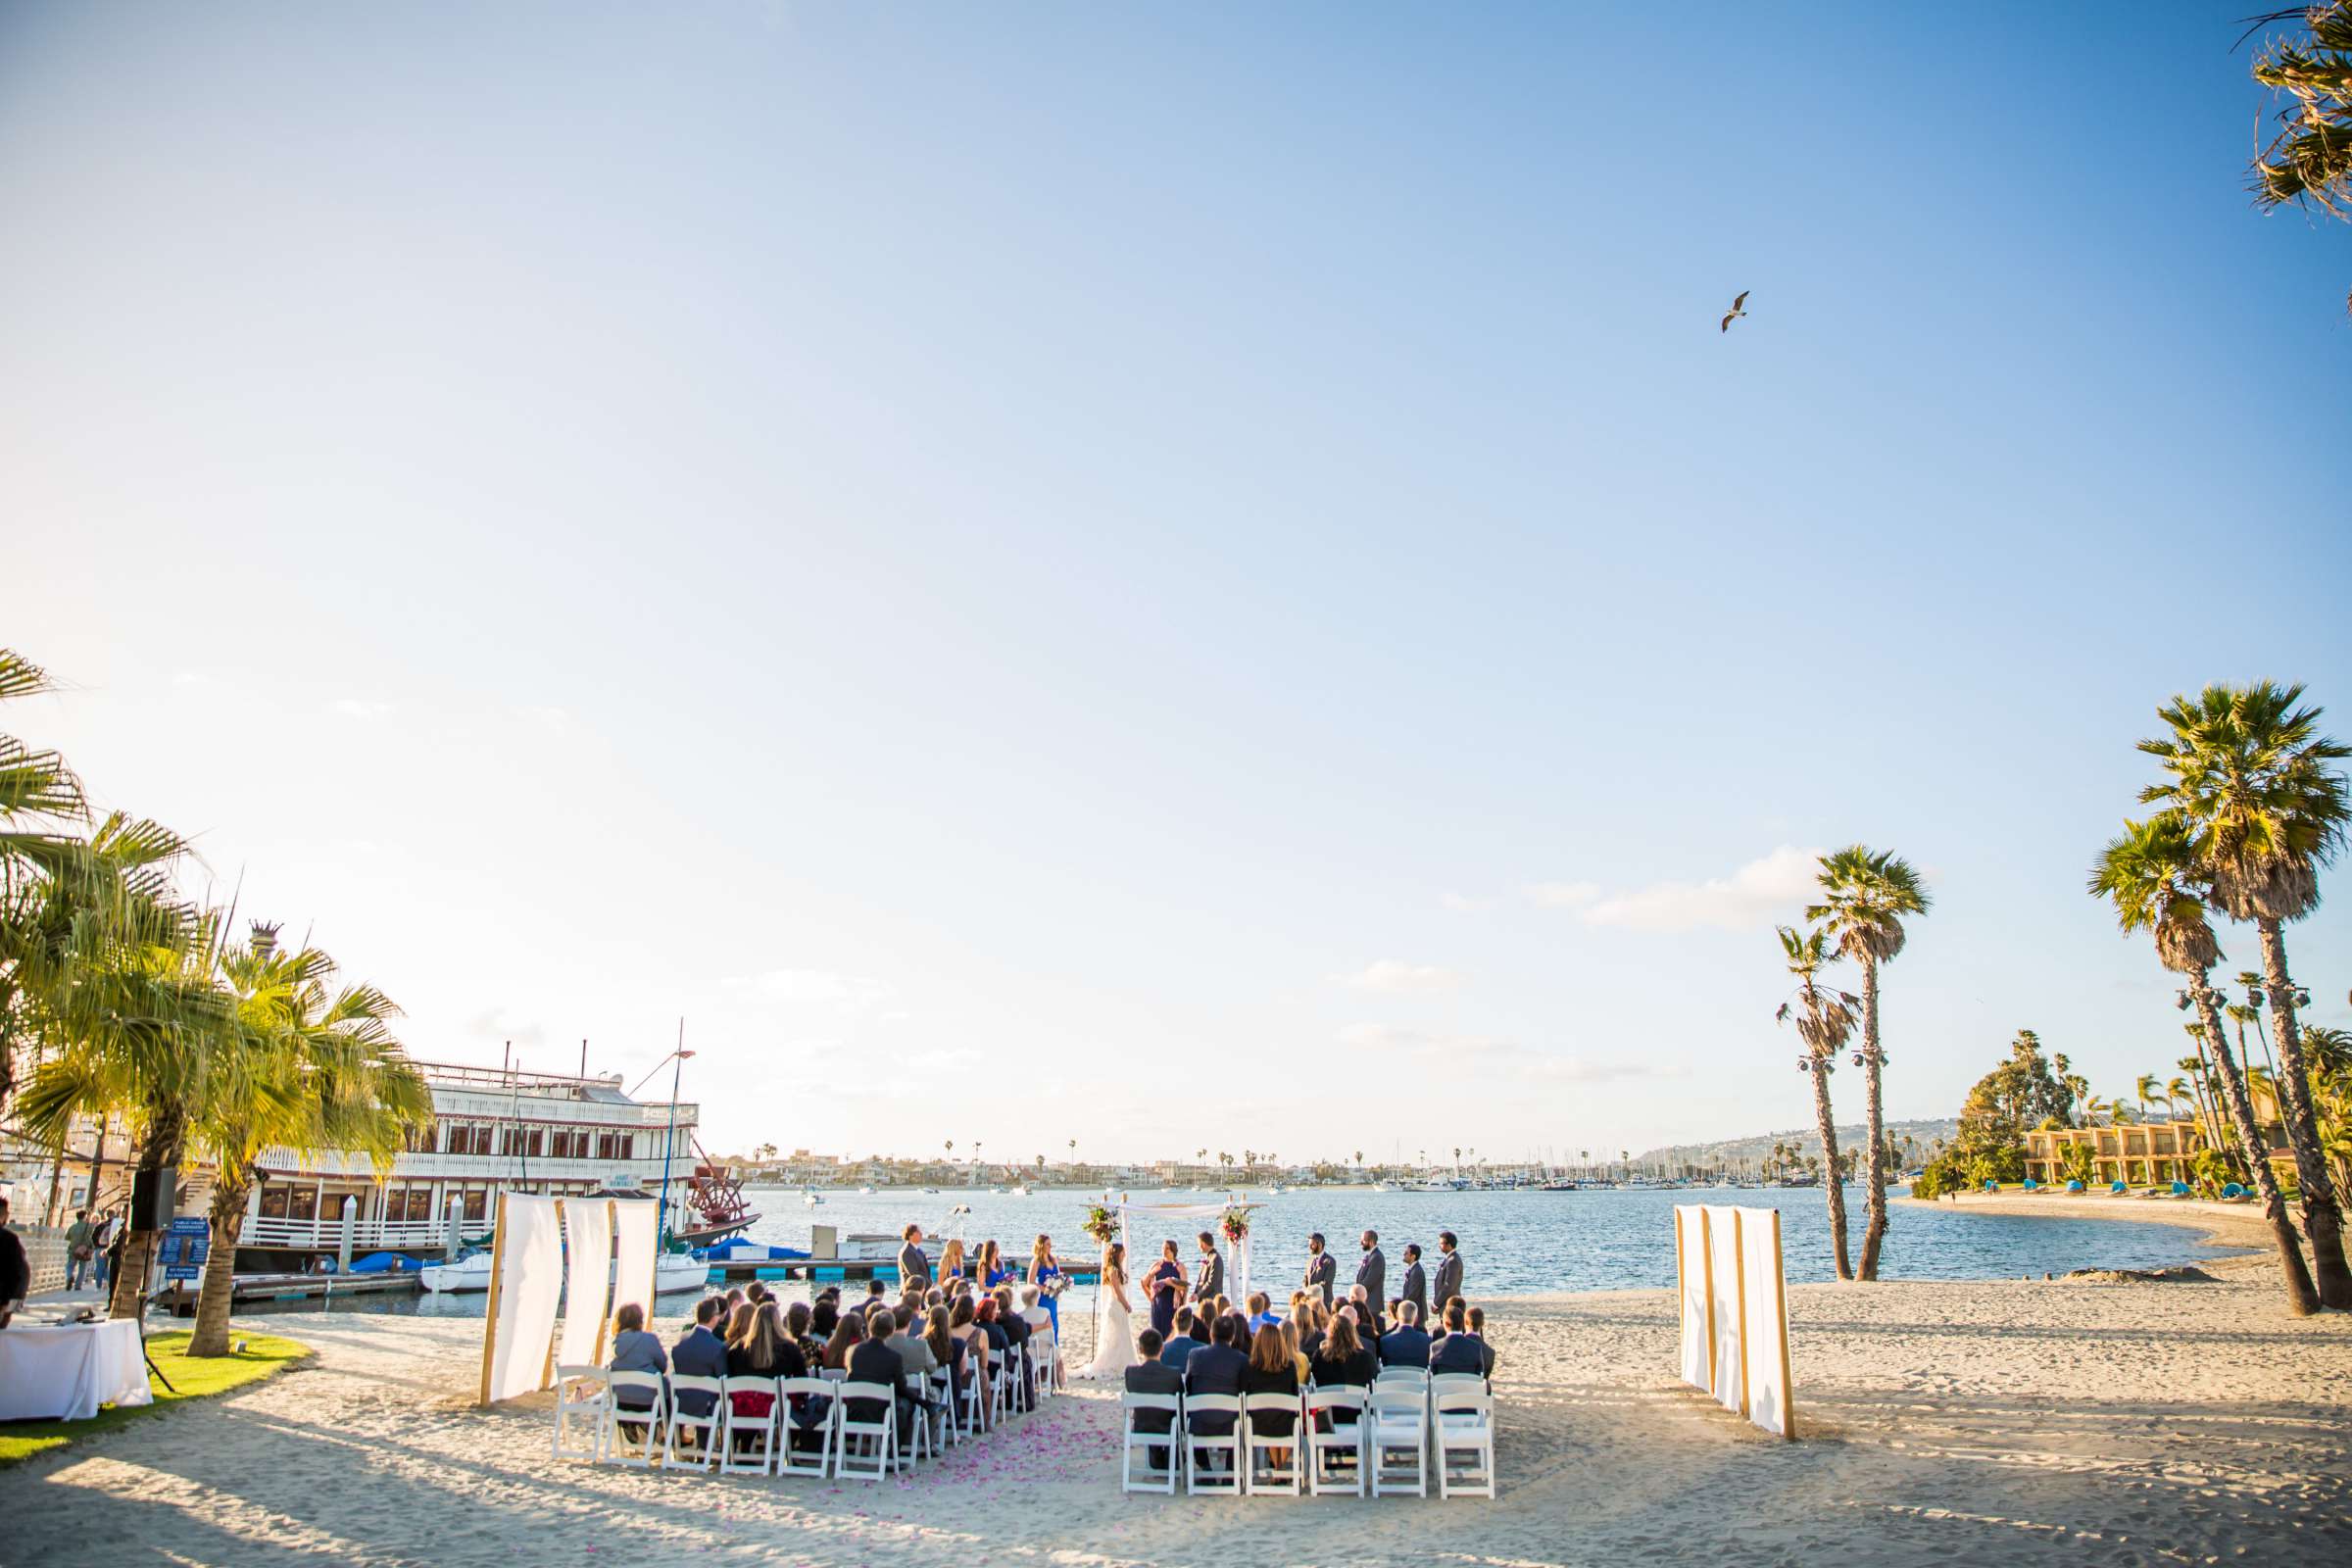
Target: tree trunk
pixel 210 1335
pixel 158 1151
pixel 2301 1299
pixel 1828 1150
pixel 1874 1159
pixel 2323 1220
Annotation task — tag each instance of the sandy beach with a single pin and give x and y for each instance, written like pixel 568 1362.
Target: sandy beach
pixel 2004 1421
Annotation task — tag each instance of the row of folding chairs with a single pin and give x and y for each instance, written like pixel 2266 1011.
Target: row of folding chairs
pixel 656 1424
pixel 1383 1441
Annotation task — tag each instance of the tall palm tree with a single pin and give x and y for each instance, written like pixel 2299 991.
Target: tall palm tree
pixel 1865 896
pixel 332 1077
pixel 1825 1019
pixel 2308 164
pixel 2264 809
pixel 2150 875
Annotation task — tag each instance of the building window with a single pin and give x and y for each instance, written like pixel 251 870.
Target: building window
pixel 604 1149
pixel 476 1201
pixel 273 1202
pixel 301 1202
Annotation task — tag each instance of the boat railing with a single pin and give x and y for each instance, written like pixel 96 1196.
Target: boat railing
pixel 374 1235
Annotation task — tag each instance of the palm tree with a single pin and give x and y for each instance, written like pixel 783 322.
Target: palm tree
pixel 2077 1098
pixel 2308 164
pixel 1865 896
pixel 332 1077
pixel 1823 1026
pixel 2264 811
pixel 2150 876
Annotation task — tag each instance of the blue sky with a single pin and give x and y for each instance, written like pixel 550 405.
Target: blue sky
pixel 1173 578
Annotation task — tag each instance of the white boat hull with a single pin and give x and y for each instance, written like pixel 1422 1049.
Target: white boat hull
pixel 670 1273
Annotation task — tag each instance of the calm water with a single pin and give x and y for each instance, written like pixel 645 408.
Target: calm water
pixel 1511 1242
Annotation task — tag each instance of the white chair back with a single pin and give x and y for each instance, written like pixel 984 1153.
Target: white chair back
pixel 1463 1423
pixel 748 1443
pixel 1329 1439
pixel 580 1395
pixel 1214 1463
pixel 1160 1461
pixel 1270 1441
pixel 1399 1440
pixel 819 1409
pixel 637 1453
pixel 707 1430
pixel 865 1442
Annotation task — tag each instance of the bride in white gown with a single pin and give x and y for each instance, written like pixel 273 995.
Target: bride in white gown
pixel 1114 1348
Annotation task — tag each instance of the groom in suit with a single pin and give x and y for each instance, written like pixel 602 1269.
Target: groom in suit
pixel 1321 1268
pixel 1209 1283
pixel 1373 1275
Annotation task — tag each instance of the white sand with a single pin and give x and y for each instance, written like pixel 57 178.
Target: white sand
pixel 2002 1422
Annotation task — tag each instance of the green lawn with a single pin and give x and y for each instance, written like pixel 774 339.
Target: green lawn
pixel 263 1356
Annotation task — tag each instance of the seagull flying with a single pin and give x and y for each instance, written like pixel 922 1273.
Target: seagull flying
pixel 1738 310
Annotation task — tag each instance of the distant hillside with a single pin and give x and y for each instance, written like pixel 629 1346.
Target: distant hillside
pixel 1732 1151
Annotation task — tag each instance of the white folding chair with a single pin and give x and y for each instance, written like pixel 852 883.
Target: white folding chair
pixel 1400 1421
pixel 1463 1422
pixel 1410 1377
pixel 640 1451
pixel 708 1430
pixel 820 1410
pixel 943 1407
pixel 1200 1476
pixel 1157 1478
pixel 580 1395
pixel 1344 1437
pixel 1274 1477
pixel 1006 1397
pixel 918 1446
pixel 866 1448
pixel 747 1443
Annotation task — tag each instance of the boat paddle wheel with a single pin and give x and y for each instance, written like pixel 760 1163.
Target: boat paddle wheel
pixel 712 1205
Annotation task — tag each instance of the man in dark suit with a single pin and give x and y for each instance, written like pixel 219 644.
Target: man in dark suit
pixel 1181 1345
pixel 1016 1334
pixel 1448 1282
pixel 1372 1273
pixel 1322 1269
pixel 1215 1369
pixel 1407 1344
pixel 1463 1349
pixel 1208 1283
pixel 1416 1281
pixel 914 1267
pixel 1152 1375
pixel 872 1361
pixel 700 1353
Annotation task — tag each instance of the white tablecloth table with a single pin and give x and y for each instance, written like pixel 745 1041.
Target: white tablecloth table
pixel 53 1373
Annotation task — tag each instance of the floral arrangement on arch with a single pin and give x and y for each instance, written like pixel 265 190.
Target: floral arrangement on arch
pixel 1100 1225
pixel 1235 1223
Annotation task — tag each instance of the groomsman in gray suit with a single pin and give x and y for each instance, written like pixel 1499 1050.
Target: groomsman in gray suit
pixel 1321 1268
pixel 1209 1283
pixel 1373 1275
pixel 1449 1280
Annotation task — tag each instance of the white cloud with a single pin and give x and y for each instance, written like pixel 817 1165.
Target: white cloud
pixel 1562 895
pixel 1394 974
pixel 554 719
pixel 1490 1057
pixel 1462 903
pixel 1758 894
pixel 359 708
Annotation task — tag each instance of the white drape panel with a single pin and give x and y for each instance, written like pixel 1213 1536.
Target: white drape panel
pixel 587 1277
pixel 1765 1328
pixel 1723 1255
pixel 633 1229
pixel 530 1279
pixel 1690 1255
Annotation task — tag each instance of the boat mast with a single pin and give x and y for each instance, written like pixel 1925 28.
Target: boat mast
pixel 662 1214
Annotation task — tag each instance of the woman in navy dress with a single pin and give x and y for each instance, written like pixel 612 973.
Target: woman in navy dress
pixel 1163 1286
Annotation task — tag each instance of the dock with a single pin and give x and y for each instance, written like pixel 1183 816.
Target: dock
pixel 180 1301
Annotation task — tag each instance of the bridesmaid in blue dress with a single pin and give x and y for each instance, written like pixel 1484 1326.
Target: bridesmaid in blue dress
pixel 991 1267
pixel 1044 1267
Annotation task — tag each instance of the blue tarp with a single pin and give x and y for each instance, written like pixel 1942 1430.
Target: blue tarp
pixel 382 1264
pixel 735 1248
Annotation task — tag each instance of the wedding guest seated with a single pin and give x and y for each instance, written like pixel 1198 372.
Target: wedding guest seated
pixel 848 1334
pixel 1340 1360
pixel 1033 1311
pixel 971 1345
pixel 758 1348
pixel 636 1351
pixel 1152 1375
pixel 913 1348
pixel 1273 1369
pixel 824 1312
pixel 1217 1367
pixel 735 1299
pixel 800 1330
pixel 1464 1347
pixel 1016 1336
pixel 700 1353
pixel 1407 1344
pixel 1314 1320
pixel 999 1340
pixel 877 1361
pixel 1183 1342
pixel 1367 1310
pixel 756 1293
pixel 1259 1315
